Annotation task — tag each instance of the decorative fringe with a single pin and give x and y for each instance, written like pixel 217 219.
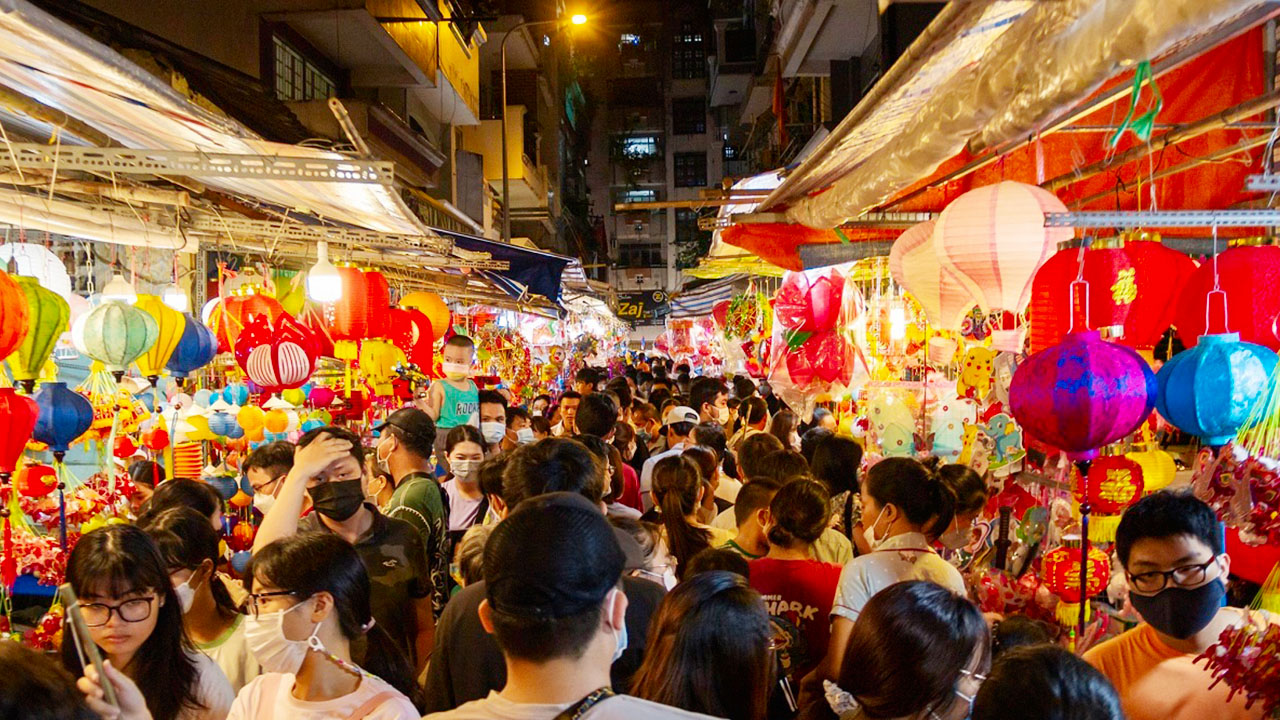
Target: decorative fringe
pixel 1269 596
pixel 1102 528
pixel 1068 614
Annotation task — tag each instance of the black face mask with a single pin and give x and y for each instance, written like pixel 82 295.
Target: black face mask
pixel 1181 612
pixel 337 500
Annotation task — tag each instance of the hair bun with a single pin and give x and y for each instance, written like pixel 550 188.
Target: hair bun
pixel 932 463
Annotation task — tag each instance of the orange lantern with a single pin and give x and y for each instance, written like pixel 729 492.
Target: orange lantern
pixel 1062 577
pixel 13 315
pixel 187 460
pixel 350 314
pixel 377 304
pixel 433 306
pixel 1115 483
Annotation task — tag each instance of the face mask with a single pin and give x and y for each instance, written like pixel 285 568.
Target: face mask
pixel 524 436
pixel 455 371
pixel 493 432
pixel 722 414
pixel 262 502
pixel 337 500
pixel 870 532
pixel 643 436
pixel 955 538
pixel 463 469
pixel 186 595
pixel 1181 612
pixel 620 646
pixel 383 462
pixel 264 634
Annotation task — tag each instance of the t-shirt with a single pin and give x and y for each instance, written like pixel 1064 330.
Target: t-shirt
pixel 231 652
pixel 631 489
pixel 462 509
pixel 664 563
pixel 212 691
pixel 734 546
pixel 392 554
pixel 419 501
pixel 459 407
pixel 646 474
pixel 831 546
pixel 798 595
pixel 1157 681
pixel 467 664
pixel 270 697
pixel 618 707
pixel 900 558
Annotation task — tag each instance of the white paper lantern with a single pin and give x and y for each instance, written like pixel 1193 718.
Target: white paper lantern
pixel 38 262
pixel 914 264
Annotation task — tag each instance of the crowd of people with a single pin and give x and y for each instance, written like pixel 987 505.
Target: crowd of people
pixel 646 545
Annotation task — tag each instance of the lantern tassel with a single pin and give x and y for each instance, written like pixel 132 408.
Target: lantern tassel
pixel 9 562
pixel 1069 613
pixel 62 500
pixel 1102 529
pixel 1085 509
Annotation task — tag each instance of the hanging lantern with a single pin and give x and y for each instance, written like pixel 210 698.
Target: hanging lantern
pixel 196 348
pixel 280 364
pixel 1110 275
pixel 1062 577
pixel 1160 273
pixel 18 414
pixel 411 332
pixel 187 460
pixel 35 481
pixel 1158 469
pixel 913 262
pixel 1250 278
pixel 377 303
pixel 1115 483
pixel 37 261
pixel 433 306
pixel 13 315
pixel 116 335
pixel 65 415
pixel 378 360
pixel 47 316
pixel 1208 390
pixel 170 326
pixel 1082 394
pixel 350 314
pixel 994 239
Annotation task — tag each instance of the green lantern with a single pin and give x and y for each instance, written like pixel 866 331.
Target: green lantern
pixel 47 316
pixel 116 334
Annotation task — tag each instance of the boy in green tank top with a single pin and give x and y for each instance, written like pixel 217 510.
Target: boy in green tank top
pixel 455 400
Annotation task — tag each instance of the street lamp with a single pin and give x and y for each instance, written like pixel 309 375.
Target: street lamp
pixel 576 19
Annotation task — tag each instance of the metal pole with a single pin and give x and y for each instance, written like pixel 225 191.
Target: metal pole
pixel 506 172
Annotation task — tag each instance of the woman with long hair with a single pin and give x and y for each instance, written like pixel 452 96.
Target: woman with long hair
pixel 465 448
pixel 708 649
pixel 970 491
pixel 835 464
pixel 311 629
pixel 189 548
pixel 678 492
pixel 785 427
pixel 135 618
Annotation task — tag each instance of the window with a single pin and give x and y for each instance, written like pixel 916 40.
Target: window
pixel 629 39
pixel 689 116
pixel 687 225
pixel 691 169
pixel 640 146
pixel 689 55
pixel 641 255
pixel 298 78
pixel 730 152
pixel 637 195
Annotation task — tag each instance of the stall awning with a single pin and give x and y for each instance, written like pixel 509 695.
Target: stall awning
pixel 531 271
pixel 699 301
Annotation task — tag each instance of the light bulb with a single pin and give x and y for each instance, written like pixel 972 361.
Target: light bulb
pixel 578 19
pixel 119 290
pixel 324 282
pixel 175 297
pixel 897 324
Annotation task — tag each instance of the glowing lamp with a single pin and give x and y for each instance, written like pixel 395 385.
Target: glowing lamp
pixel 120 290
pixel 175 297
pixel 324 283
pixel 913 262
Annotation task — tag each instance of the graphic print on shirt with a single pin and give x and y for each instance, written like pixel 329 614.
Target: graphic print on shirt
pixel 787 618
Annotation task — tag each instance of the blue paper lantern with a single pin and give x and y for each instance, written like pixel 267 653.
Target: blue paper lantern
pixel 236 394
pixel 65 415
pixel 202 398
pixel 196 348
pixel 1208 390
pixel 240 561
pixel 220 423
pixel 226 485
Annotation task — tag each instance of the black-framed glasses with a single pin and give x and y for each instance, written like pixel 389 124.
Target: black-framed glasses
pixel 1184 576
pixel 99 614
pixel 268 484
pixel 255 599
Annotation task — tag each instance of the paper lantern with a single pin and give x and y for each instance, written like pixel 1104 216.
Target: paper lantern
pixel 378 360
pixel 411 332
pixel 196 348
pixel 1082 394
pixel 18 414
pixel 913 261
pixel 47 316
pixel 1112 291
pixel 65 415
pixel 321 397
pixel 1160 273
pixel 377 303
pixel 994 239
pixel 350 314
pixel 1115 483
pixel 1062 578
pixel 37 261
pixel 187 459
pixel 116 335
pixel 279 365
pixel 13 315
pixel 1208 390
pixel 433 306
pixel 35 481
pixel 275 421
pixel 250 417
pixel 777 243
pixel 1158 469
pixel 1250 278
pixel 170 325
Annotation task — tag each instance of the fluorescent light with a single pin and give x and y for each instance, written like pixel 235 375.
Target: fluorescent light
pixel 175 297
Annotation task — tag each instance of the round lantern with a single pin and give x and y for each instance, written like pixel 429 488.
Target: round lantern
pixel 994 239
pixel 35 481
pixel 378 360
pixel 1082 394
pixel 38 262
pixel 279 365
pixel 13 315
pixel 170 326
pixel 350 314
pixel 913 261
pixel 411 332
pixel 116 335
pixel 1112 291
pixel 1160 273
pixel 1208 390
pixel 377 303
pixel 65 415
pixel 1115 483
pixel 196 348
pixel 18 414
pixel 1062 576
pixel 431 305
pixel 47 316
pixel 1250 278
pixel 1158 469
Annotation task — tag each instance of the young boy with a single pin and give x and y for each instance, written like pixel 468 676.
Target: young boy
pixel 751 513
pixel 455 400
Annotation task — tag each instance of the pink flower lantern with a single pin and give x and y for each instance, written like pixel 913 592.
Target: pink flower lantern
pixel 913 262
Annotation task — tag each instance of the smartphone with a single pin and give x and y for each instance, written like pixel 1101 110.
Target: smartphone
pixel 85 647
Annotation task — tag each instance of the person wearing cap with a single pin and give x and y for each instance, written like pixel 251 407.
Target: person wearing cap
pixel 678 425
pixel 403 450
pixel 554 601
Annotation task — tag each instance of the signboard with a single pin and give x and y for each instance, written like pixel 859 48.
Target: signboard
pixel 643 307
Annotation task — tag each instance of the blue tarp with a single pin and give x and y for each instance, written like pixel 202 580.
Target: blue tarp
pixel 532 271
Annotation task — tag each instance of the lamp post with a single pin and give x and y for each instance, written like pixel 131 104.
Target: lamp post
pixel 578 19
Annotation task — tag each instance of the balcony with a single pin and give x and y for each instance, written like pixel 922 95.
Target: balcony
pixel 734 63
pixel 528 181
pixel 388 136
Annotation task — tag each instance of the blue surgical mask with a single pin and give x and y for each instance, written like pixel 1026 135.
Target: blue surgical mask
pixel 525 435
pixel 621 634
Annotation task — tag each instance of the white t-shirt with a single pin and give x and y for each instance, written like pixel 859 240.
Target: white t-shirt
pixel 618 707
pixel 212 690
pixel 270 697
pixel 231 653
pixel 900 558
pixel 646 477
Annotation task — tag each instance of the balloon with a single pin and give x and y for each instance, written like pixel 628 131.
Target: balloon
pixel 170 327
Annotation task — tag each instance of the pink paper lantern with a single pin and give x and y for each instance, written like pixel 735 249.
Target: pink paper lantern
pixel 993 239
pixel 913 261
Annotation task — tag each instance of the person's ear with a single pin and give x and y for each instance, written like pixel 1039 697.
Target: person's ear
pixel 499 506
pixel 486 616
pixel 323 608
pixel 1225 559
pixel 891 513
pixel 207 568
pixel 764 517
pixel 617 614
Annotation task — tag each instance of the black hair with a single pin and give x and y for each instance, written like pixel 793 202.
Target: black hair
pixel 908 485
pixel 968 486
pixel 754 410
pixel 516 412
pixel 182 492
pixel 1045 682
pixel 743 388
pixel 119 559
pixel 613 484
pixel 540 424
pixel 753 451
pixel 552 465
pixel 185 540
pixel 543 396
pixel 460 341
pixel 680 429
pixel 421 443
pixel 271 456
pixel 34 687
pixel 341 433
pixel 461 434
pixel 676 484
pixel 811 439
pixel 704 391
pixel 755 495
pixel 491 397
pixel 146 473
pixel 597 414
pixel 311 563
pixel 783 465
pixel 800 511
pixel 718 559
pixel 835 462
pixel 782 425
pixel 658 397
pixel 586 374
pixel 711 435
pixel 1017 631
pixel 619 386
pixel 570 395
pixel 1166 514
pixel 490 473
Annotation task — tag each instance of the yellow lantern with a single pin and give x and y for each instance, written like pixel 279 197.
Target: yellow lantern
pixel 169 325
pixel 378 360
pixel 1158 469
pixel 47 317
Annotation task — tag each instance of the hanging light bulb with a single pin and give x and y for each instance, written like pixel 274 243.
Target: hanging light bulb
pixel 897 323
pixel 119 290
pixel 324 283
pixel 175 297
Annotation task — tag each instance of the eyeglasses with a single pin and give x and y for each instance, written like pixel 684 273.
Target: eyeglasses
pixel 99 614
pixel 268 484
pixel 254 601
pixel 1185 576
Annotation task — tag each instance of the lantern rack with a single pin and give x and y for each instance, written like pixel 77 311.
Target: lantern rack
pixel 1164 218
pixel 33 156
pixel 223 225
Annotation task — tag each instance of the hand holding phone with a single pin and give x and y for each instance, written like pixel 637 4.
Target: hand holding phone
pixel 85 647
pixel 94 686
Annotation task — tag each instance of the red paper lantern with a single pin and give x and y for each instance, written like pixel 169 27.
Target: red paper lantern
pixel 350 314
pixel 18 414
pixel 1112 291
pixel 286 361
pixel 1160 273
pixel 1062 577
pixel 155 439
pixel 13 315
pixel 1250 277
pixel 377 304
pixel 124 447
pixel 1115 483
pixel 35 480
pixel 410 330
pixel 258 332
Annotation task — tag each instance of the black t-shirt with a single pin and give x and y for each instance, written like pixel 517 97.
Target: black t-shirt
pixel 467 664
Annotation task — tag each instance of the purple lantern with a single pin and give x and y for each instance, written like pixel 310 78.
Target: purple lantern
pixel 1082 393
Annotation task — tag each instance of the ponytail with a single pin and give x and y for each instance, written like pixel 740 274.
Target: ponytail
pixel 379 655
pixel 921 495
pixel 676 482
pixel 944 502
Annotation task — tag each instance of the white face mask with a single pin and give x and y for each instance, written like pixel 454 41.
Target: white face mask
pixel 264 633
pixel 722 413
pixel 870 532
pixel 463 469
pixel 620 646
pixel 186 594
pixel 455 371
pixel 383 462
pixel 262 502
pixel 493 432
pixel 524 436
pixel 955 538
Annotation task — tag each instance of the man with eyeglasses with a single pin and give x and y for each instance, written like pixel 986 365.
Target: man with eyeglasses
pixel 266 468
pixel 1172 549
